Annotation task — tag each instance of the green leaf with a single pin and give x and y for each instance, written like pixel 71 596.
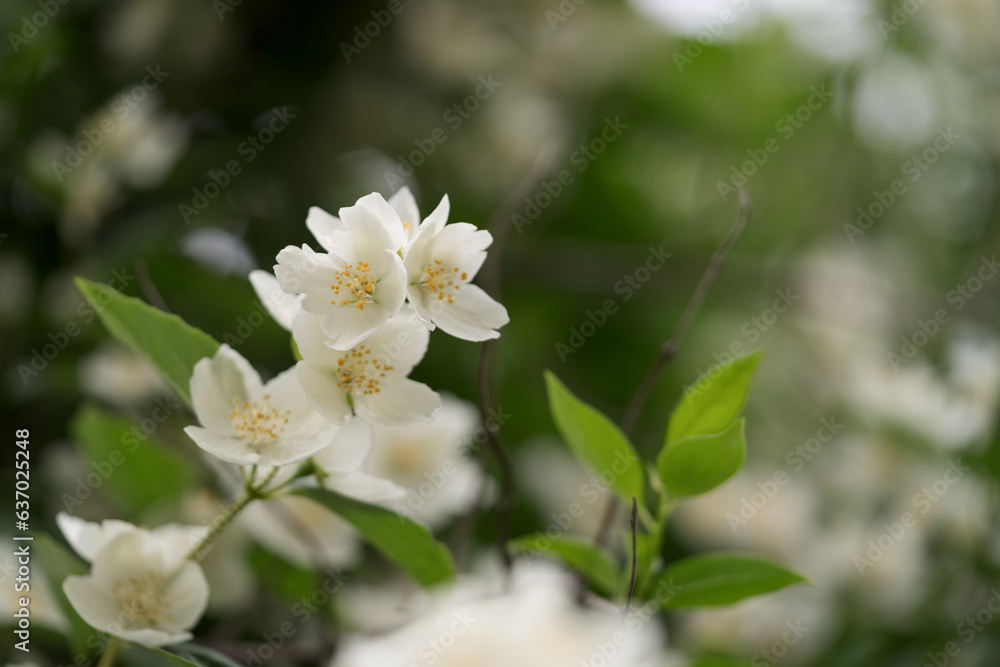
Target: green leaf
pixel 714 401
pixel 595 440
pixel 405 542
pixel 721 578
pixel 138 471
pixel 173 346
pixel 698 463
pixel 596 564
pixel 57 563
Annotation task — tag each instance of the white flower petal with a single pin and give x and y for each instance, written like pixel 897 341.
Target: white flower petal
pixel 282 306
pixel 364 487
pixel 218 380
pixel 287 396
pixel 367 234
pixel 323 225
pixel 323 393
pixel 349 448
pixel 283 452
pixel 389 217
pixel 301 270
pixel 439 216
pixel 227 448
pixel 132 553
pixel 87 538
pixel 400 404
pixel 93 603
pixel 405 206
pixel 474 315
pixel 347 325
pixel 311 340
pixel 187 591
pixel 401 343
pixel 151 637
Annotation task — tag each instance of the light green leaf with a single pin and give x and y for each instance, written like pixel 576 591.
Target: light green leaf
pixel 405 542
pixel 698 463
pixel 714 401
pixel 596 564
pixel 57 563
pixel 137 470
pixel 173 346
pixel 595 440
pixel 721 578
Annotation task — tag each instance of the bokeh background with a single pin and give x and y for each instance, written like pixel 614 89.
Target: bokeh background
pixel 867 134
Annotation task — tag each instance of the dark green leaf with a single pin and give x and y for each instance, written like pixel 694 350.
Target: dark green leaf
pixel 138 471
pixel 405 542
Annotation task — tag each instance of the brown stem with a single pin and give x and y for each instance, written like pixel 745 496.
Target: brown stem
pixel 506 502
pixel 669 349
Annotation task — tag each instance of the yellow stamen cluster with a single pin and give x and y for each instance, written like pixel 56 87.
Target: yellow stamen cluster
pixel 258 423
pixel 143 599
pixel 441 282
pixel 357 283
pixel 359 371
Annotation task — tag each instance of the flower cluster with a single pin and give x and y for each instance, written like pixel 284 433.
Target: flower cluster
pixel 360 315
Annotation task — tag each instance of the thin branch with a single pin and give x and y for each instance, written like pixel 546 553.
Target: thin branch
pixel 627 609
pixel 148 287
pixel 669 349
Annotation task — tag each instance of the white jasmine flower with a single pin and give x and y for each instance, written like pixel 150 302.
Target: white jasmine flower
pixel 535 624
pixel 87 538
pixel 139 590
pixel 361 283
pixel 247 422
pixel 440 262
pixel 282 307
pixel 369 379
pixel 428 462
pixel 341 465
pixel 401 222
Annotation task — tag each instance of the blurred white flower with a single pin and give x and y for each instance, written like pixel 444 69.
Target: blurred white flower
pixel 120 376
pixel 440 262
pixel 361 283
pixel 138 589
pixel 173 541
pixel 369 379
pixel 429 463
pixel 247 422
pixel 340 466
pixel 43 606
pixel 535 624
pixel 302 532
